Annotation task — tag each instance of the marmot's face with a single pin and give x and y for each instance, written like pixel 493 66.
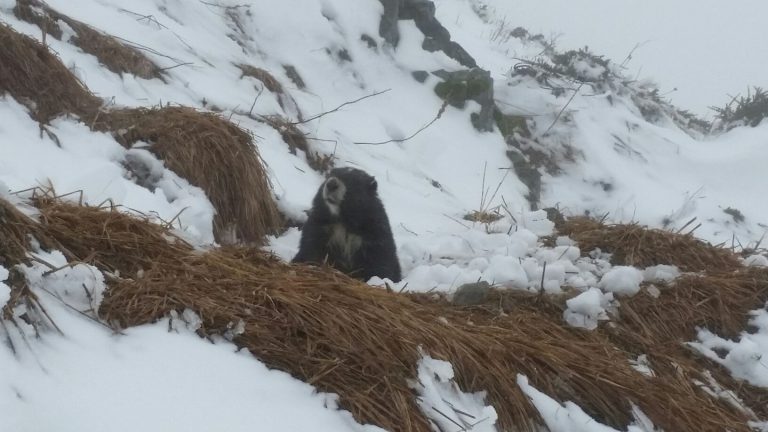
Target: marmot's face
pixel 350 192
pixel 333 194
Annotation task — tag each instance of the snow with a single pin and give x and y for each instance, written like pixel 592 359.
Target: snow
pixel 675 39
pixel 569 417
pixel 586 309
pixel 5 290
pixel 745 357
pixel 174 379
pixel 445 404
pixel 661 273
pixel 624 166
pixel 622 280
pixel 756 261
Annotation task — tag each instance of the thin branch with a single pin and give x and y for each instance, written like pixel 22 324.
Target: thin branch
pixel 563 109
pixel 250 111
pixel 226 7
pixel 174 66
pixel 400 140
pixel 315 117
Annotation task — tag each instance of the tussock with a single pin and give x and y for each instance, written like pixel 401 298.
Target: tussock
pixel 632 244
pixel 210 153
pixel 34 76
pixel 656 325
pixel 16 233
pixel 118 57
pixel 362 343
pixel 262 75
pixel 296 140
pixel 203 148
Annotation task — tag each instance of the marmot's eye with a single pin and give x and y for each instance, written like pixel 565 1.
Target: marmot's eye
pixel 373 185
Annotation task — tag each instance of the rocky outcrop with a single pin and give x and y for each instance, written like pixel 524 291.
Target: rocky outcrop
pixel 470 84
pixel 422 12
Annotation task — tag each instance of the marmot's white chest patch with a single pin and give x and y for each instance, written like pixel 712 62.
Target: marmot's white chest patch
pixel 345 242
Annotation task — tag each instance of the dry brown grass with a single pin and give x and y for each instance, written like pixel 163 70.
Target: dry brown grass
pixel 211 153
pixel 485 217
pixel 203 148
pixel 117 56
pixel 717 297
pixel 262 75
pixel 32 75
pixel 362 343
pixel 16 233
pixel 633 244
pixel 297 140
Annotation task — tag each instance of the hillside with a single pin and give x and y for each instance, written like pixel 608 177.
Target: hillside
pixel 153 152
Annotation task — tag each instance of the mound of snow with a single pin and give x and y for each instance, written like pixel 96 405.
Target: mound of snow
pixel 622 280
pixel 661 273
pixel 586 309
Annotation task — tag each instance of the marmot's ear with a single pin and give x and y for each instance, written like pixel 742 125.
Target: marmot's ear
pixel 372 186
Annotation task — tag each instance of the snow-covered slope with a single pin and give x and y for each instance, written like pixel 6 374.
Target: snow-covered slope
pixel 610 159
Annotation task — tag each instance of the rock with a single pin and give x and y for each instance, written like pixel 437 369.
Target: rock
pixel 470 84
pixel 422 12
pixel 420 76
pixel 369 41
pixel 388 24
pixel 471 294
pixel 528 174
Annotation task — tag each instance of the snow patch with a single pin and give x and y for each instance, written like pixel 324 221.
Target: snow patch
pixel 661 273
pixel 445 404
pixel 622 280
pixel 569 417
pixel 756 261
pixel 589 307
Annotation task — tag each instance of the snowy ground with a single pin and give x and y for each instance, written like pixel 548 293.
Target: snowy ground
pixel 657 172
pixel 676 44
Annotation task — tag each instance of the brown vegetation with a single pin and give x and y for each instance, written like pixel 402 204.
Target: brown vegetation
pixel 117 56
pixel 34 76
pixel 363 343
pixel 633 244
pixel 211 153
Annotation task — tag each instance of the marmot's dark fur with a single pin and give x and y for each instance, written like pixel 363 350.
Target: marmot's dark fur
pixel 348 228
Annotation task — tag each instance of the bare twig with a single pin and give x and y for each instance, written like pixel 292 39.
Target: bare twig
pixel 437 117
pixel 226 7
pixel 250 111
pixel 174 66
pixel 575 92
pixel 462 428
pixel 686 225
pixel 315 117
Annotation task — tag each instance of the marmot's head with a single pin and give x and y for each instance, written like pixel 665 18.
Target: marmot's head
pixel 350 194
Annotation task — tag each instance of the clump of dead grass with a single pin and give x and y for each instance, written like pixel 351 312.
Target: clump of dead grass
pixel 361 343
pixel 262 75
pixel 205 149
pixel 211 153
pixel 297 140
pixel 117 56
pixel 17 233
pixel 34 76
pixel 633 244
pixel 486 217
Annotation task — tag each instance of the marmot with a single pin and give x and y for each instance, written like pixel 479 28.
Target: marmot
pixel 348 228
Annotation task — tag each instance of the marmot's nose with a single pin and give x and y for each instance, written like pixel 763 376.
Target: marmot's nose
pixel 332 185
